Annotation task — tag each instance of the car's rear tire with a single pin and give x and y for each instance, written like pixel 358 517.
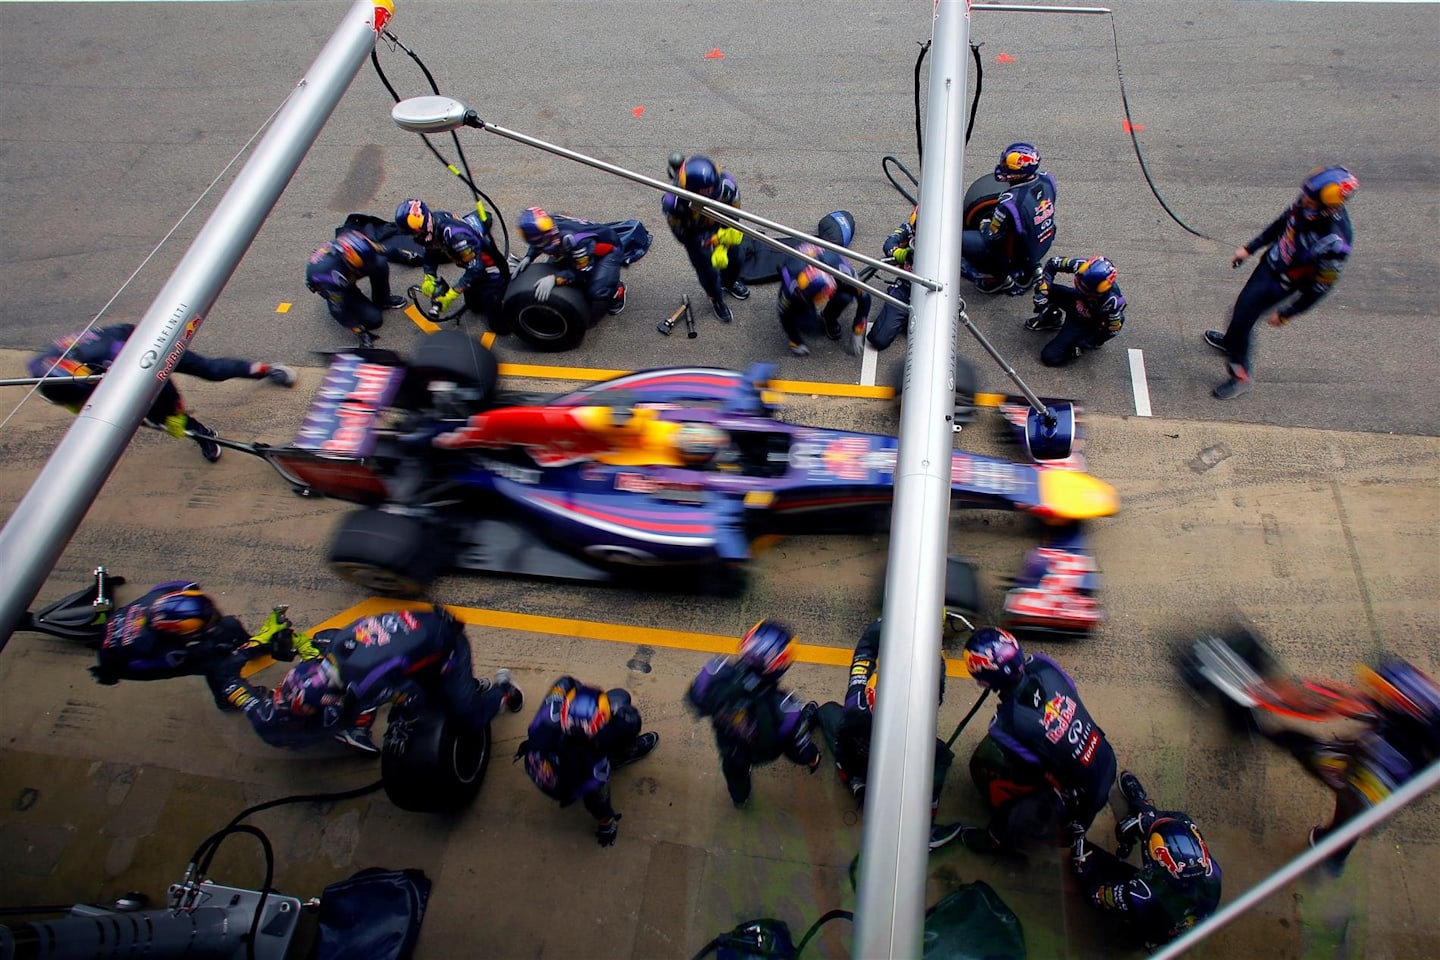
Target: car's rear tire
pixel 430 763
pixel 980 200
pixel 553 326
pixel 385 552
pixel 962 587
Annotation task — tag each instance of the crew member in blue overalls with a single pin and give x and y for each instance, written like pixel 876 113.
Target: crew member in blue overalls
pixel 706 242
pixel 811 297
pixel 589 256
pixel 1054 759
pixel 467 243
pixel 335 271
pixel 1307 245
pixel 1089 314
pixel 1005 253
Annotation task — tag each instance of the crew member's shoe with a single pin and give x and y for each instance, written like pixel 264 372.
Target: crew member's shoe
pixel 617 302
pixel 367 339
pixel 1051 318
pixel 643 745
pixel 1132 789
pixel 359 738
pixel 1216 339
pixel 799 349
pixel 832 329
pixel 281 375
pixel 722 310
pixel 943 833
pixel 514 699
pixel 1238 383
pixel 738 290
pixel 396 302
pixel 209 449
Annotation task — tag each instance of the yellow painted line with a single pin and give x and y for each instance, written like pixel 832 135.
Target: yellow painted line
pixel 420 320
pixel 283 308
pixel 594 630
pixel 813 387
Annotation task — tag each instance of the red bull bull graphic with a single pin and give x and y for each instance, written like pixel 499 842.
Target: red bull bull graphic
pixel 1056 716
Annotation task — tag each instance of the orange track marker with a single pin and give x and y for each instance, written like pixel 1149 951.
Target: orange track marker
pixel 715 55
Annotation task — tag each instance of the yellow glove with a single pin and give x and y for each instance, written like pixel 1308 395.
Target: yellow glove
pixel 729 237
pixel 305 647
pixel 446 300
pixel 427 285
pixel 720 257
pixel 175 425
pixel 900 254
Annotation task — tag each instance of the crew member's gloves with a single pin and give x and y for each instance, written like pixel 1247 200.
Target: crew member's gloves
pixel 427 285
pixel 1241 255
pixel 857 343
pixel 446 300
pixel 900 254
pixel 543 287
pixel 729 237
pixel 607 830
pixel 175 425
pixel 720 257
pixel 1080 850
pixel 522 264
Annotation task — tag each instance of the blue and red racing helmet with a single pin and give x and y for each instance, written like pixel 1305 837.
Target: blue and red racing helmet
pixel 1178 848
pixel 993 658
pixel 768 647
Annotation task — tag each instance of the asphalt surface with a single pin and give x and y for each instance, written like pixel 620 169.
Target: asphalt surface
pixel 1294 506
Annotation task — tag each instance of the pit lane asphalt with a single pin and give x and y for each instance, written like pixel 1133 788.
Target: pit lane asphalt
pixel 1326 536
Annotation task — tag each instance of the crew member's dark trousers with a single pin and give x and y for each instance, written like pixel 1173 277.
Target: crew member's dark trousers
pixel 1261 294
pixel 1077 335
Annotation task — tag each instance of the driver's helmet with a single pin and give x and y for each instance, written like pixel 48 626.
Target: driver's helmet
pixel 1400 689
pixel 993 658
pixel 183 614
pixel 353 248
pixel 699 443
pixel 585 710
pixel 413 216
pixel 310 687
pixel 538 227
pixel 699 175
pixel 1176 845
pixel 1325 191
pixel 1096 275
pixel 768 648
pixel 1019 161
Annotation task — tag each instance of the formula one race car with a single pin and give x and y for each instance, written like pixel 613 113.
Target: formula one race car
pixel 657 476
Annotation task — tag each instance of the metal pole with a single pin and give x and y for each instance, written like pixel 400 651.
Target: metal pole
pixel 714 214
pixel 1351 830
pixel 923 280
pixel 33 381
pixel 47 517
pixel 890 904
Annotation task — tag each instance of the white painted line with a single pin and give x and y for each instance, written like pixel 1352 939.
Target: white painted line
pixel 1137 380
pixel 869 359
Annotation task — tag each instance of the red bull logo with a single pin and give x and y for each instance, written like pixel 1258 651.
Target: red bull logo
pixel 1056 715
pixel 1161 854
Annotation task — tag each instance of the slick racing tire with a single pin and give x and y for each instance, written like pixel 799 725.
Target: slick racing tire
pixel 962 587
pixel 452 356
pixel 384 552
pixel 430 763
pixel 980 200
pixel 556 325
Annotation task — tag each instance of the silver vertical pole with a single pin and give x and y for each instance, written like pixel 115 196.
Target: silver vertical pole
pixel 47 517
pixel 890 907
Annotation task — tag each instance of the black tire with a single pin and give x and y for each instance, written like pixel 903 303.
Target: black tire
pixel 556 325
pixel 386 553
pixel 430 763
pixel 962 587
pixel 454 356
pixel 980 200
